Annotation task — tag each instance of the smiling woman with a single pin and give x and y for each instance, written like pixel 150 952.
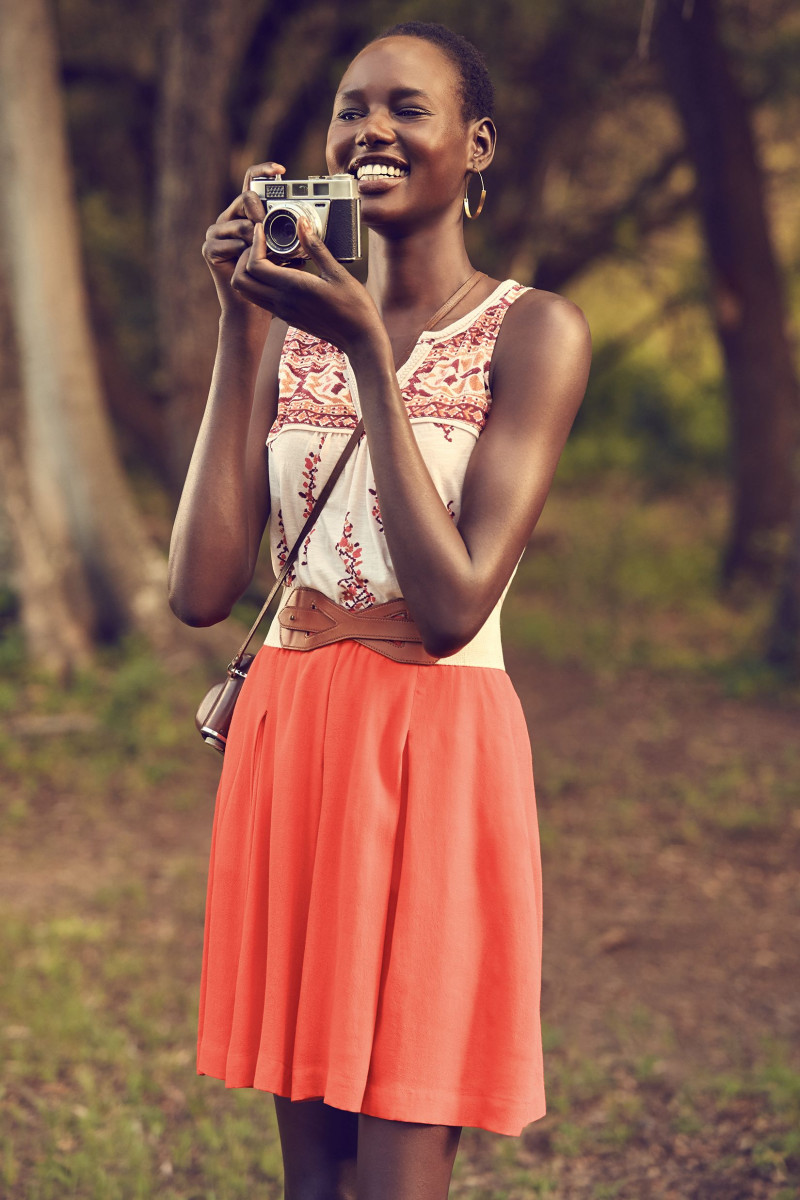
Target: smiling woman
pixel 373 925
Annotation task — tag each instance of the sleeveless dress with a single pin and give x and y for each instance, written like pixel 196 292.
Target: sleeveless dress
pixel 373 924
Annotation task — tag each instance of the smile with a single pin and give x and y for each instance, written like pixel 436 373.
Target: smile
pixel 372 170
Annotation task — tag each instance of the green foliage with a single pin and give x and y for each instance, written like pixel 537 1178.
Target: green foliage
pixel 635 419
pixel 617 576
pixel 111 735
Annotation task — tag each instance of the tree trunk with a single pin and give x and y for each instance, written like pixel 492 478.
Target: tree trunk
pixel 747 291
pixel 46 585
pixel 136 416
pixel 783 639
pixel 205 41
pixel 90 536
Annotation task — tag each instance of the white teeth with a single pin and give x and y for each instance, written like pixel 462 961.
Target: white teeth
pixel 380 169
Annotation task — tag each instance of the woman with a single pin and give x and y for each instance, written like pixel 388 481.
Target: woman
pixel 373 922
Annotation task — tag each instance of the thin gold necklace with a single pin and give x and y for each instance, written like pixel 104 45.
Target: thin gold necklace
pixel 461 291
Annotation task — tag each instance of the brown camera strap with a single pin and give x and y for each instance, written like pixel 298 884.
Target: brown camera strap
pixel 338 467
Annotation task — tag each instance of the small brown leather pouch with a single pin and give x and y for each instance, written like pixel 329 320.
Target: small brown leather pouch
pixel 213 717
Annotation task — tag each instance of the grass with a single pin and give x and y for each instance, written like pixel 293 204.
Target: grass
pixel 100 1097
pixel 743 800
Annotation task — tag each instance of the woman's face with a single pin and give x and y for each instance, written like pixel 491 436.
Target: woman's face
pixel 398 126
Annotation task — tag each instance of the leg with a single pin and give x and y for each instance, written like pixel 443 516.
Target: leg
pixel 403 1160
pixel 319 1145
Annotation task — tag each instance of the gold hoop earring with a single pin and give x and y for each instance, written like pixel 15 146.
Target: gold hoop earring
pixel 473 215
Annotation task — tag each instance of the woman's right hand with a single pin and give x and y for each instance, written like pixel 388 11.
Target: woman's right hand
pixel 232 234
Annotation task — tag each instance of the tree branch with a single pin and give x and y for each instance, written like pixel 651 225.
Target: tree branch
pixel 557 268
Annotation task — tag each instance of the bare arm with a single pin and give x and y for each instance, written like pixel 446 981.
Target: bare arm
pixel 224 505
pixel 453 576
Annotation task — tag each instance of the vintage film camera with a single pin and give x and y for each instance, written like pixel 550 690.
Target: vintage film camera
pixel 332 204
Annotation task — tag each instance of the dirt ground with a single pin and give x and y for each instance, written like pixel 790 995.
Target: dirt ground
pixel 671 829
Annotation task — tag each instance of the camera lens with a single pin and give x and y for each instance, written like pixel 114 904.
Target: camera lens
pixel 281 231
pixel 280 226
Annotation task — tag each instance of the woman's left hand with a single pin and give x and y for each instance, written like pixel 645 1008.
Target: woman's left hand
pixel 332 305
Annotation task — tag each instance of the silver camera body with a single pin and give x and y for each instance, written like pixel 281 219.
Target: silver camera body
pixel 331 203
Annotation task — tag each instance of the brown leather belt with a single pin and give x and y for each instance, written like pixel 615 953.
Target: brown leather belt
pixel 310 619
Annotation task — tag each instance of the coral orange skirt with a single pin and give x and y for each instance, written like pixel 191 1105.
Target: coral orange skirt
pixel 373 920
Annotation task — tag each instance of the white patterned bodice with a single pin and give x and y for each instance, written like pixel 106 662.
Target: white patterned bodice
pixel 445 384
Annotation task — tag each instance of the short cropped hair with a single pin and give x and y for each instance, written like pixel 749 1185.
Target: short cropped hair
pixel 476 87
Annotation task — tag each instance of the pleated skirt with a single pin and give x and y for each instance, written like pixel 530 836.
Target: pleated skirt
pixel 373 922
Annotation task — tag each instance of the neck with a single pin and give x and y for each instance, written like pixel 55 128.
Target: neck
pixel 418 271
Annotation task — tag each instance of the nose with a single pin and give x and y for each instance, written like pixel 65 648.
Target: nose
pixel 376 127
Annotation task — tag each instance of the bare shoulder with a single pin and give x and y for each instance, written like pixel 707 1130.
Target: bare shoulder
pixel 275 338
pixel 539 324
pixel 266 389
pixel 543 350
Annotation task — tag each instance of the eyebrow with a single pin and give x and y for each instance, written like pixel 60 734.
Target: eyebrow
pixel 397 94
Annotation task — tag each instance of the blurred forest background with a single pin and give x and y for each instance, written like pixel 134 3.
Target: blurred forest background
pixel 648 168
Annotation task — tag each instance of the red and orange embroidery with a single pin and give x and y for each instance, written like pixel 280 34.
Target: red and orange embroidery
pixel 309 476
pixel 449 385
pixel 353 584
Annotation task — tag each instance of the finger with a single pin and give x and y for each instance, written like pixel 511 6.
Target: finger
pixel 255 282
pixel 316 249
pixel 267 168
pixel 230 229
pixel 247 206
pixel 263 284
pixel 258 247
pixel 257 264
pixel 253 206
pixel 235 209
pixel 224 250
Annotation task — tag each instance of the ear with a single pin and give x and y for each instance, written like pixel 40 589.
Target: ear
pixel 482 142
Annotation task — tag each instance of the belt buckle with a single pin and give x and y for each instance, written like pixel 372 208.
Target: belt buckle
pixel 298 622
